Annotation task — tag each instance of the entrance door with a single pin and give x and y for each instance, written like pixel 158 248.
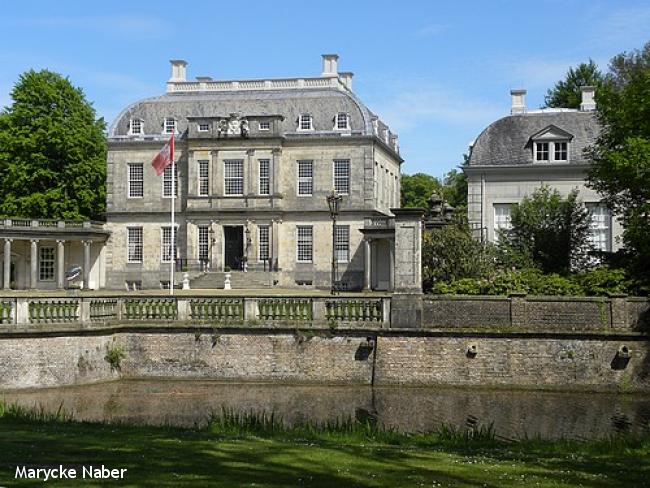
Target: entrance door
pixel 233 246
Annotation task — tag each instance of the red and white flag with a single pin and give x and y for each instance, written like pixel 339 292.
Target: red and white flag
pixel 164 158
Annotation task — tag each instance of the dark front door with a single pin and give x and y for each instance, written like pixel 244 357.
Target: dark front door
pixel 234 246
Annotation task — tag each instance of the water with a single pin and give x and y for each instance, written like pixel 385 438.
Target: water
pixel 514 414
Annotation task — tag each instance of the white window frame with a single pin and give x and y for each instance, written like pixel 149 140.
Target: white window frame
pixel 307 180
pixel 598 222
pixel 501 222
pixel 337 119
pixel 170 122
pixel 305 117
pixel 203 178
pixel 265 125
pixel 130 181
pixel 263 244
pixel 46 264
pixel 229 163
pixel 203 242
pixel 555 150
pixel 264 182
pixel 140 126
pixel 168 244
pixel 341 163
pixel 200 125
pixel 302 242
pixel 167 181
pixel 136 247
pixel 342 247
pixel 551 150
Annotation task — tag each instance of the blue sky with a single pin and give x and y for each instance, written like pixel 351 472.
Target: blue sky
pixel 436 72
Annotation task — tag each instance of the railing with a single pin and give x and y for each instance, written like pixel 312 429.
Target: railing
pixel 22 223
pixel 273 310
pixel 378 223
pixel 283 83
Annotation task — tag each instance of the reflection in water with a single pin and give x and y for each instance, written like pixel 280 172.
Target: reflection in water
pixel 514 414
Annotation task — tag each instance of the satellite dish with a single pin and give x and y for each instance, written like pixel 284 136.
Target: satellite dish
pixel 73 272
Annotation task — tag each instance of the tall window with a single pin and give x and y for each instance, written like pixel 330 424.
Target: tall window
pixel 305 122
pixel 342 243
pixel 342 121
pixel 342 176
pixel 541 153
pixel 305 243
pixel 234 177
pixel 136 180
pixel 204 181
pixel 136 126
pixel 263 242
pixel 560 151
pixel 167 181
pixel 170 125
pixel 265 177
pixel 305 178
pixel 502 222
pixel 601 227
pixel 204 242
pixel 134 244
pixel 46 264
pixel 167 245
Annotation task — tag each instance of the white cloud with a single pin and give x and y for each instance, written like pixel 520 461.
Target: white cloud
pixel 132 25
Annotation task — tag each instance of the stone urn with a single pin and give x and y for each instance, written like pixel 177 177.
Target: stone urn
pixel 226 282
pixel 186 281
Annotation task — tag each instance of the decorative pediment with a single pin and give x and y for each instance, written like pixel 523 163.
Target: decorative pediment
pixel 552 133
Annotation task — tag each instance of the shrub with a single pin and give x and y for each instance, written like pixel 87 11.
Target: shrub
pixel 602 281
pixel 114 356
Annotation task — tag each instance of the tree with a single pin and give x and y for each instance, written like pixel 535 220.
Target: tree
pixel 548 232
pixel 52 151
pixel 416 189
pixel 566 93
pixel 455 189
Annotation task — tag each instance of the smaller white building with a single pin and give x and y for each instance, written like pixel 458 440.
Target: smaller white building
pixel 517 154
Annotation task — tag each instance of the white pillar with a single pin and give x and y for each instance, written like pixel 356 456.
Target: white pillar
pixel 367 285
pixel 86 267
pixel 33 265
pixel 7 265
pixel 60 264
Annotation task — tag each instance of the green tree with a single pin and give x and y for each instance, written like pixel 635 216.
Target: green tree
pixel 566 93
pixel 621 154
pixel 52 151
pixel 416 189
pixel 454 190
pixel 548 232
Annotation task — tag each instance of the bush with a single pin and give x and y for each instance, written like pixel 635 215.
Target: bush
pixel 602 281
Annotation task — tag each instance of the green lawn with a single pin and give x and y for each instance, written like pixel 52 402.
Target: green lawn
pixel 156 456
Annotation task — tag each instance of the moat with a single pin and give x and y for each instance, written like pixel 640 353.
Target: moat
pixel 513 414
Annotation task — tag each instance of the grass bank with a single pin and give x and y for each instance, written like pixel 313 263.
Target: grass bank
pixel 252 450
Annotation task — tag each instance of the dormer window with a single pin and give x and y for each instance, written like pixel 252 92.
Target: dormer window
pixel 169 127
pixel 305 122
pixel 541 151
pixel 342 121
pixel 551 145
pixel 135 127
pixel 266 125
pixel 204 127
pixel 560 151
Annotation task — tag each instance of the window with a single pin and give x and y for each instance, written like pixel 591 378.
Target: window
pixel 234 177
pixel 134 244
pixel 169 126
pixel 263 242
pixel 305 243
pixel 46 264
pixel 560 151
pixel 204 242
pixel 305 122
pixel 136 180
pixel 541 151
pixel 342 243
pixel 342 176
pixel 204 127
pixel 601 226
pixel 204 180
pixel 136 127
pixel 342 121
pixel 167 181
pixel 502 212
pixel 265 125
pixel 265 177
pixel 305 178
pixel 167 245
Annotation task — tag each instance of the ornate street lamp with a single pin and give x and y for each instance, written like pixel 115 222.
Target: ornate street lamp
pixel 334 202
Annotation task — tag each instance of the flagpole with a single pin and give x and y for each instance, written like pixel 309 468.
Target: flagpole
pixel 173 236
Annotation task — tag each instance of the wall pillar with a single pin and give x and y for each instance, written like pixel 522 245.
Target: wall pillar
pixel 60 264
pixel 275 244
pixel 249 173
pixel 213 173
pixel 33 264
pixel 391 264
pixel 86 267
pixel 618 304
pixel 7 265
pixel 275 174
pixel 367 271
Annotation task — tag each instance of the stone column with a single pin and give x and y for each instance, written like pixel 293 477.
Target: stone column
pixel 249 173
pixel 60 264
pixel 391 264
pixel 275 172
pixel 86 267
pixel 275 244
pixel 33 265
pixel 7 265
pixel 367 272
pixel 213 174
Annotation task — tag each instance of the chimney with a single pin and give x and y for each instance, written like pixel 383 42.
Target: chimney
pixel 518 102
pixel 346 79
pixel 588 102
pixel 329 65
pixel 178 70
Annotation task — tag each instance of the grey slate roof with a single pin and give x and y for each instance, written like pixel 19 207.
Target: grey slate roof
pixel 507 141
pixel 321 104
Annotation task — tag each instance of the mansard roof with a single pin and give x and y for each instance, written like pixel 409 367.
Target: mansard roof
pixel 508 140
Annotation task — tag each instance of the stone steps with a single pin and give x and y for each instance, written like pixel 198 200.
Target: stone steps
pixel 238 280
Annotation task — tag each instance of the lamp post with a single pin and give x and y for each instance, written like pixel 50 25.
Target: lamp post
pixel 333 202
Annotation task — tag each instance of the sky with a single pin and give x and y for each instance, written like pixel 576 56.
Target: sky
pixel 437 72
